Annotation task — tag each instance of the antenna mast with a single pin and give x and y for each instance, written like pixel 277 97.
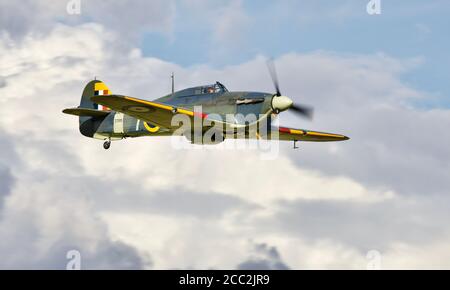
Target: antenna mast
pixel 173 83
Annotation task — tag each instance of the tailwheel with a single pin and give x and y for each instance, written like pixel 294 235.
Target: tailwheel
pixel 107 144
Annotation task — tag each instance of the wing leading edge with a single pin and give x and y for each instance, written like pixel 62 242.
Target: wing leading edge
pixel 289 134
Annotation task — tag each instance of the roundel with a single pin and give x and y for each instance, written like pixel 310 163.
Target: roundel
pixel 138 109
pixel 151 128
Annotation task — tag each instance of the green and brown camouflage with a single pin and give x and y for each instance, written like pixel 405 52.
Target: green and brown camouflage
pixel 106 116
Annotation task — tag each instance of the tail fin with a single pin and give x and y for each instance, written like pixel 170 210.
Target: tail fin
pixel 94 88
pixel 90 122
pixel 91 115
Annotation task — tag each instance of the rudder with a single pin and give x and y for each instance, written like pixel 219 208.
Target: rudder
pixel 90 124
pixel 94 88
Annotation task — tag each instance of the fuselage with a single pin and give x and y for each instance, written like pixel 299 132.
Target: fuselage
pixel 212 100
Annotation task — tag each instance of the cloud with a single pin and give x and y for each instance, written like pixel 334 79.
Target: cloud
pixel 385 150
pixel 46 213
pixel 23 18
pixel 7 157
pixel 6 181
pixel 408 256
pixel 144 204
pixel 41 213
pixel 141 16
pixel 266 258
pixel 2 82
pixel 27 15
pixel 366 226
pixel 176 202
pixel 230 26
pixel 45 223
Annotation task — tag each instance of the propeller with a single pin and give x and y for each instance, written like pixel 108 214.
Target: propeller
pixel 274 76
pixel 303 110
pixel 281 103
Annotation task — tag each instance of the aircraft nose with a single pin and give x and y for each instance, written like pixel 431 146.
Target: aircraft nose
pixel 281 103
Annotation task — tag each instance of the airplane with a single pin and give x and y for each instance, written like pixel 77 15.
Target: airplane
pixel 108 117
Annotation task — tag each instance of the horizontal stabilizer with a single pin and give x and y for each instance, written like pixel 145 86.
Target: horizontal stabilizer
pixel 83 112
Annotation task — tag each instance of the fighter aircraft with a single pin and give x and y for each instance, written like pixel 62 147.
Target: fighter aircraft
pixel 107 116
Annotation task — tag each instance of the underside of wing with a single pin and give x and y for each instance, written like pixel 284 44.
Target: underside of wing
pixel 152 112
pixel 289 134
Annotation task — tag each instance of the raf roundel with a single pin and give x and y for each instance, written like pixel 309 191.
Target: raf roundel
pixel 138 109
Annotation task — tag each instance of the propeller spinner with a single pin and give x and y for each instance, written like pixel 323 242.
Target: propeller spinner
pixel 282 103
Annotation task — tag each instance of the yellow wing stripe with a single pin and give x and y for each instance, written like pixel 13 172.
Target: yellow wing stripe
pixel 186 112
pixel 325 135
pixel 297 132
pixel 161 106
pixel 314 134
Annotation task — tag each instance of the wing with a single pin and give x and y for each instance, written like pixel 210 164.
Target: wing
pixel 161 115
pixel 289 134
pixel 152 112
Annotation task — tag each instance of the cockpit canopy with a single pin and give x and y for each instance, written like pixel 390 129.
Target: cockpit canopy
pixel 203 90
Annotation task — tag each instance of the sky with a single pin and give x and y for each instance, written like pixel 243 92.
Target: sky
pixel 382 80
